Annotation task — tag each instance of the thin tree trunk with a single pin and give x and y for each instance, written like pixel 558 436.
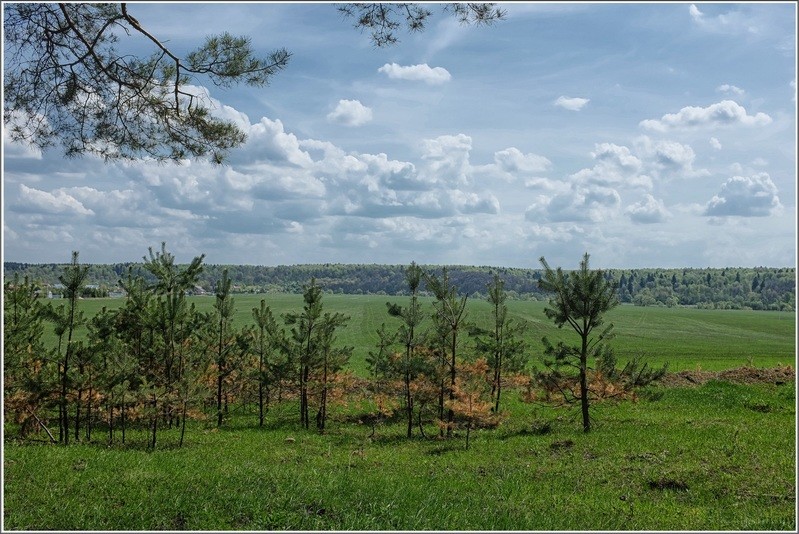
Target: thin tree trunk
pixel 498 378
pixel 89 413
pixel 64 410
pixel 322 414
pixel 421 426
pixel 261 388
pixel 305 377
pixel 110 424
pixel 155 422
pixel 409 402
pixel 77 414
pixel 52 439
pixel 584 385
pixel 219 398
pixel 123 420
pixel 183 424
pixel 451 412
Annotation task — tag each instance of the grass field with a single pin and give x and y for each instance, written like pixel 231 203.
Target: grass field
pixel 720 456
pixel 717 457
pixel 686 338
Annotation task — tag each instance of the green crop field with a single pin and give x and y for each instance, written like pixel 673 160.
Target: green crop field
pixel 686 338
pixel 718 456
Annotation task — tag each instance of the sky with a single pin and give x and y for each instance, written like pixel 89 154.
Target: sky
pixel 646 134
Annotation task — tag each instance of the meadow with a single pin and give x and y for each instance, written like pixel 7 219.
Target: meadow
pixel 717 456
pixel 686 338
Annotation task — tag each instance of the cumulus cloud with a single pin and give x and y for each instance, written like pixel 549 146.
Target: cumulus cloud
pixel 350 113
pixel 648 211
pixel 514 161
pixel 467 203
pixel 268 140
pixel 57 202
pixel 423 73
pixel 393 174
pixel 668 158
pixel 580 204
pixel 572 104
pixel 745 196
pixel 724 113
pixel 715 143
pixel 727 88
pixel 447 159
pixel 615 165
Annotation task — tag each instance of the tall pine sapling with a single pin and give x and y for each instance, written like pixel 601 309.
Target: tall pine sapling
pixel 73 278
pixel 502 344
pixel 450 312
pixel 580 300
pixel 408 335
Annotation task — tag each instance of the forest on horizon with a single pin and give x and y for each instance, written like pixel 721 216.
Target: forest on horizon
pixel 756 288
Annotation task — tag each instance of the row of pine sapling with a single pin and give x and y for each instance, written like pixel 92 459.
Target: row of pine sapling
pixel 158 361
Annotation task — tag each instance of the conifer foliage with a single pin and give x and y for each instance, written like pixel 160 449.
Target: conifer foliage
pixel 156 361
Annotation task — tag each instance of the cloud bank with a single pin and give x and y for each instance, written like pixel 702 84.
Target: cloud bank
pixel 724 113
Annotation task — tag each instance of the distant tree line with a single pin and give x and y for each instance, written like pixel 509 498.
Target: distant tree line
pixel 756 288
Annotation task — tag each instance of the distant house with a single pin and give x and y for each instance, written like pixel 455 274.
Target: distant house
pixel 196 290
pixel 56 291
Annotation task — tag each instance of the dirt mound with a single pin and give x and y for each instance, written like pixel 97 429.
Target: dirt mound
pixel 741 375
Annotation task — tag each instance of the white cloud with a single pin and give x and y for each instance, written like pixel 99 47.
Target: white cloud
pixel 13 149
pixel 727 88
pixel 648 211
pixel 724 113
pixel 668 158
pixel 695 13
pixel 59 201
pixel 350 113
pixel 752 196
pixel 423 73
pixel 580 204
pixel 393 174
pixel 447 159
pixel 715 143
pixel 615 165
pixel 268 140
pixel 473 203
pixel 733 22
pixel 512 160
pixel 572 104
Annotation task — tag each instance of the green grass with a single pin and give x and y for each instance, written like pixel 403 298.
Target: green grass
pixel 686 338
pixel 717 457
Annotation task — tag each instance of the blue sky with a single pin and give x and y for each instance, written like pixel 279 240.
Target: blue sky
pixel 649 135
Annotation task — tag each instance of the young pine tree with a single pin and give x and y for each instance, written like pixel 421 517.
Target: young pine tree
pixel 450 314
pixel 580 300
pixel 72 279
pixel 502 344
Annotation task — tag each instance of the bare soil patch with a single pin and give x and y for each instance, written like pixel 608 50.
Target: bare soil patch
pixel 741 375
